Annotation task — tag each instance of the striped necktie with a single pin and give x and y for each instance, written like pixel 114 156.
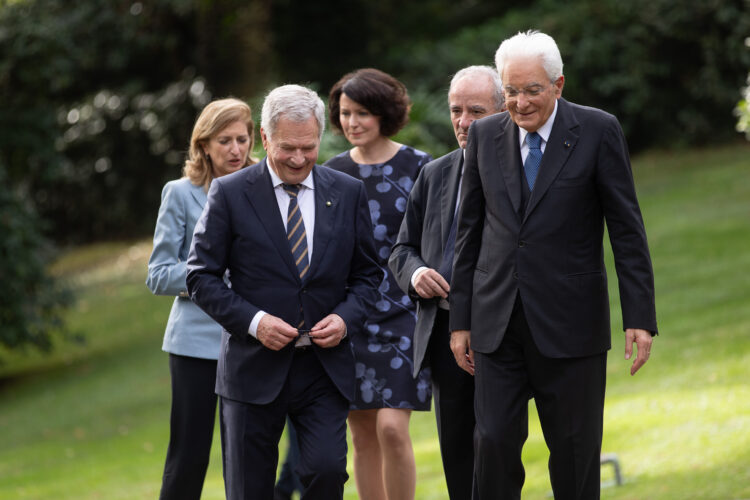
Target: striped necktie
pixel 295 231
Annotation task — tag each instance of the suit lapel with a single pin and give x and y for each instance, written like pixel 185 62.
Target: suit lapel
pixel 562 141
pixel 506 144
pixel 449 192
pixel 262 197
pixel 326 204
pixel 199 195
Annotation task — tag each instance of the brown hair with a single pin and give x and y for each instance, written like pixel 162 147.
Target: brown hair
pixel 380 93
pixel 214 118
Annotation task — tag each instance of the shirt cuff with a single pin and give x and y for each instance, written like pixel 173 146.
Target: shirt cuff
pixel 253 330
pixel 415 274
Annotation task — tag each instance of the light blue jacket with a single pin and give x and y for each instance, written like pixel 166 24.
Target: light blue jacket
pixel 190 331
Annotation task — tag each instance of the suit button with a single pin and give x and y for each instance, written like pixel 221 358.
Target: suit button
pixel 515 275
pixel 304 290
pixel 521 243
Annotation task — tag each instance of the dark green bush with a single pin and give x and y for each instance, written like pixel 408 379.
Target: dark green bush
pixel 32 303
pixel 670 70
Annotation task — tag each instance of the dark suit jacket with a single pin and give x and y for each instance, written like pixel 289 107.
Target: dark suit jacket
pixel 241 230
pixel 551 253
pixel 422 237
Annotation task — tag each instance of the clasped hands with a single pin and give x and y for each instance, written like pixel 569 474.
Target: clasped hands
pixel 275 333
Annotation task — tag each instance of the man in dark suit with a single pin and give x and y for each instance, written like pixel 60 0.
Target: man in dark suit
pixel 423 251
pixel 529 288
pixel 296 240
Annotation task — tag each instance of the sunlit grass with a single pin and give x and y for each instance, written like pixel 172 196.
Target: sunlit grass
pixel 91 421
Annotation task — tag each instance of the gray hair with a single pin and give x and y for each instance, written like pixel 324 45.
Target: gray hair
pixel 531 44
pixel 294 102
pixel 488 72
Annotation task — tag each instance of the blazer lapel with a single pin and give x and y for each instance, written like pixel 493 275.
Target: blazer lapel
pixel 506 144
pixel 449 193
pixel 199 195
pixel 562 141
pixel 326 205
pixel 262 197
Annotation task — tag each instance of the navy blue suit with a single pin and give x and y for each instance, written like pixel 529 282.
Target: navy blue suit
pixel 241 230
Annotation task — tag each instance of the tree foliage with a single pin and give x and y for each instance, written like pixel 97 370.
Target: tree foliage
pixel 670 70
pixel 30 312
pixel 99 96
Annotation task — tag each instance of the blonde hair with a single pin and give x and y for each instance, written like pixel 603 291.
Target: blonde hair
pixel 214 118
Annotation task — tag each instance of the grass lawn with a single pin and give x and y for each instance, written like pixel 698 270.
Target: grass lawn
pixel 91 420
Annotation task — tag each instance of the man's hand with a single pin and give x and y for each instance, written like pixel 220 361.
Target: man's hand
pixel 461 347
pixel 430 283
pixel 329 331
pixel 274 332
pixel 643 340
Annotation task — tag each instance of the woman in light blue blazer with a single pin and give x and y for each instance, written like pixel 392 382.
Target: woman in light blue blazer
pixel 221 143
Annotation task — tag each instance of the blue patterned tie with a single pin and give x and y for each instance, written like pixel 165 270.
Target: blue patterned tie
pixel 295 231
pixel 534 158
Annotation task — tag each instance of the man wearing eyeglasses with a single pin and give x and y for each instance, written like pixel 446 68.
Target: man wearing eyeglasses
pixel 529 288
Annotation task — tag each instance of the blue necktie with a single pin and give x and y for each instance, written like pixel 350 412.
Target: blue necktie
pixel 446 266
pixel 295 231
pixel 533 159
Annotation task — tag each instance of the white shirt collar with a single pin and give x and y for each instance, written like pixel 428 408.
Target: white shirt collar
pixel 544 131
pixel 276 180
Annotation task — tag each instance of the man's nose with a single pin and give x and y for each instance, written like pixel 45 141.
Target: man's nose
pixel 464 121
pixel 297 157
pixel 522 101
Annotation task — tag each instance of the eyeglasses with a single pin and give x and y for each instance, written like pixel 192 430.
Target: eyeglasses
pixel 530 91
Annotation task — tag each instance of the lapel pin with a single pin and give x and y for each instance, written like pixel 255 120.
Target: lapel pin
pixel 328 203
pixel 567 144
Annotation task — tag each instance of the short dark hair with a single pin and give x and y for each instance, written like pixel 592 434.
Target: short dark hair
pixel 380 93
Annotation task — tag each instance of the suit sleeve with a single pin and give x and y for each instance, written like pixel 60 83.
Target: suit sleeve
pixel 365 274
pixel 627 233
pixel 406 255
pixel 208 261
pixel 468 237
pixel 166 271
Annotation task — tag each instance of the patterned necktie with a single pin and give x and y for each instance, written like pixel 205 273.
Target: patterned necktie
pixel 295 231
pixel 534 158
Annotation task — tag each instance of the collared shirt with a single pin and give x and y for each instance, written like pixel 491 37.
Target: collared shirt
pixel 544 131
pixel 306 202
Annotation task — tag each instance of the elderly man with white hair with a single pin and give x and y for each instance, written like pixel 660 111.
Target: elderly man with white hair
pixel 529 288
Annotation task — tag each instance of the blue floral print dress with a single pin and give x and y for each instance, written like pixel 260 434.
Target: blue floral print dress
pixel 383 356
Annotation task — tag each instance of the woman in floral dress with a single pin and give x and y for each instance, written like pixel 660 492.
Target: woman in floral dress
pixel 368 107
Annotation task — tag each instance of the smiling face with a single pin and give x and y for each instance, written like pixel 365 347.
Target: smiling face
pixel 469 99
pixel 228 148
pixel 360 127
pixel 529 95
pixel 293 148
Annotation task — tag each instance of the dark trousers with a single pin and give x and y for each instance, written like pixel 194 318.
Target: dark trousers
pixel 250 435
pixel 288 481
pixel 191 427
pixel 453 391
pixel 569 396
